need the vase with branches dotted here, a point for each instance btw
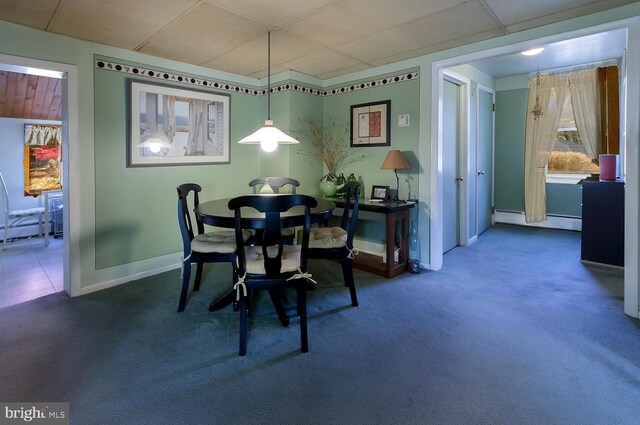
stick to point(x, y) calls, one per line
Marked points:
point(328, 143)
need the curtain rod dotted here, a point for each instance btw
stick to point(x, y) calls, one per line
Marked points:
point(568, 69)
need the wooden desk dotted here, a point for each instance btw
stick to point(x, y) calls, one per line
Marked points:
point(397, 214)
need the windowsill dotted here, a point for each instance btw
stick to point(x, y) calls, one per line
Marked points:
point(566, 178)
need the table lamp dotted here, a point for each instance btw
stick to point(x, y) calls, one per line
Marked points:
point(395, 161)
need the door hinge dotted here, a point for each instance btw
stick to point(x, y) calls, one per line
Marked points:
point(494, 107)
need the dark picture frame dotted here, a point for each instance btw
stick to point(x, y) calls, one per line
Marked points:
point(379, 192)
point(186, 127)
point(371, 124)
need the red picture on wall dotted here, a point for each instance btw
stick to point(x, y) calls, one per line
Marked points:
point(370, 124)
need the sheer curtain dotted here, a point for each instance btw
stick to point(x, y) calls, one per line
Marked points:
point(585, 101)
point(197, 127)
point(549, 92)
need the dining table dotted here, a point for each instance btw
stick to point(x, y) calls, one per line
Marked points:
point(217, 213)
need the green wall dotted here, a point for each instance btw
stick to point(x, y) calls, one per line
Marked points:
point(134, 203)
point(122, 211)
point(405, 99)
point(511, 111)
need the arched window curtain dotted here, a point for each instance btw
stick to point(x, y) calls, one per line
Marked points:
point(547, 94)
point(585, 100)
point(42, 135)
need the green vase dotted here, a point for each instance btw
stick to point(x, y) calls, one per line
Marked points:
point(329, 189)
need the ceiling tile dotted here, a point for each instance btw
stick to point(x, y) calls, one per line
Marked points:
point(533, 21)
point(204, 33)
point(350, 20)
point(321, 62)
point(510, 12)
point(118, 23)
point(343, 71)
point(35, 13)
point(457, 23)
point(273, 12)
point(251, 57)
point(449, 44)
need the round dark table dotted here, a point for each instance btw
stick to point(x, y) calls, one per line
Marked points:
point(217, 213)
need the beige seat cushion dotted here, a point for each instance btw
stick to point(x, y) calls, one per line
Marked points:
point(255, 259)
point(288, 231)
point(223, 242)
point(327, 237)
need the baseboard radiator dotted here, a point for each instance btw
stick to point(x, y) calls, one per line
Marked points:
point(552, 222)
point(23, 230)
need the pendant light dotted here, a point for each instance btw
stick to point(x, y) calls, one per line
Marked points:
point(269, 136)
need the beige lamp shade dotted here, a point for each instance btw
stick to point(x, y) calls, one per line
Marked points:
point(395, 161)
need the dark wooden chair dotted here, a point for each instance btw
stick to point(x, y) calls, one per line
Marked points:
point(273, 265)
point(337, 242)
point(266, 185)
point(201, 247)
point(274, 184)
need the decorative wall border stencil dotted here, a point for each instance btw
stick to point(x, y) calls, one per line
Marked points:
point(163, 75)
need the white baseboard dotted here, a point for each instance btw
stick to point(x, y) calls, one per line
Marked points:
point(119, 281)
point(372, 248)
point(552, 222)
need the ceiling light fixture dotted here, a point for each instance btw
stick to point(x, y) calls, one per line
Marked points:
point(532, 52)
point(269, 136)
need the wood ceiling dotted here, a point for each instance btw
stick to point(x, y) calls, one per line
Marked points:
point(30, 96)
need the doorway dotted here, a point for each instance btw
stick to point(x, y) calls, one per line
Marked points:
point(484, 159)
point(630, 92)
point(69, 279)
point(451, 177)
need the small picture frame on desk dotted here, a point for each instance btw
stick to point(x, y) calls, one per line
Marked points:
point(379, 193)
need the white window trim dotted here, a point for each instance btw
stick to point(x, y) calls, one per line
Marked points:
point(566, 178)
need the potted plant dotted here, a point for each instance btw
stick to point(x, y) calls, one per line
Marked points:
point(330, 144)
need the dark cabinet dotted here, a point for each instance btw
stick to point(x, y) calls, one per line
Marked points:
point(603, 222)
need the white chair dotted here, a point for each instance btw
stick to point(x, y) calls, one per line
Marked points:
point(13, 218)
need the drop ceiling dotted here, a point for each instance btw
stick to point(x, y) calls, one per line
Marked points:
point(322, 38)
point(590, 49)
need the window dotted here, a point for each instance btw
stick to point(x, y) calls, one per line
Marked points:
point(42, 158)
point(568, 161)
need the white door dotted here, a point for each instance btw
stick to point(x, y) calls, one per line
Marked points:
point(450, 169)
point(484, 164)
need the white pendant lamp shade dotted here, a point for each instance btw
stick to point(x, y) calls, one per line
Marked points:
point(268, 137)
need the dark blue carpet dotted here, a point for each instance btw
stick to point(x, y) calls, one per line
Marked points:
point(513, 330)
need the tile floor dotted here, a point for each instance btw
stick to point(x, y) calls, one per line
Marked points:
point(30, 270)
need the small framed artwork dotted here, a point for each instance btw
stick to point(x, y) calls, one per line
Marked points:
point(371, 124)
point(176, 126)
point(379, 193)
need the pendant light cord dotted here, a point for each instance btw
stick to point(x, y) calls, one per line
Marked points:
point(269, 75)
